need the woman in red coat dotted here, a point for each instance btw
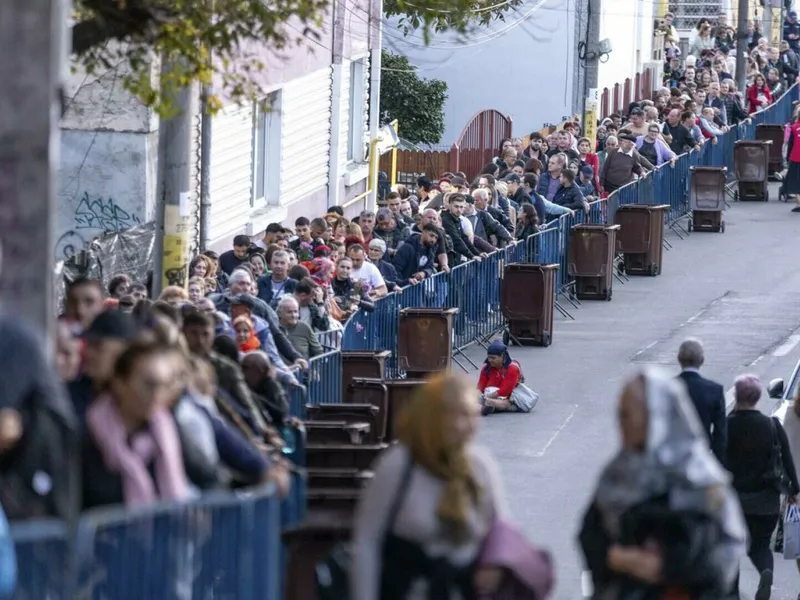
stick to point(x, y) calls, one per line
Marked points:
point(792, 181)
point(590, 158)
point(758, 95)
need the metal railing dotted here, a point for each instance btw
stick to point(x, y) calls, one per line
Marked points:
point(221, 545)
point(474, 287)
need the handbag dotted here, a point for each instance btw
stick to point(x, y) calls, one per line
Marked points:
point(776, 474)
point(333, 573)
point(791, 532)
point(524, 398)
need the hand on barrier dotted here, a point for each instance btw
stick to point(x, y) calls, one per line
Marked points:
point(301, 363)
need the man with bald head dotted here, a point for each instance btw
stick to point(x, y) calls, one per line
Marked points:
point(707, 396)
point(429, 215)
point(260, 376)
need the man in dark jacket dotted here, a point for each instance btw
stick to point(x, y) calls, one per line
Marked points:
point(791, 31)
point(414, 260)
point(789, 63)
point(707, 396)
point(569, 195)
point(484, 224)
point(278, 283)
point(444, 246)
point(390, 229)
point(622, 163)
point(451, 223)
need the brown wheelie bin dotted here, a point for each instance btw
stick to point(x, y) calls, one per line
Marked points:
point(770, 132)
point(527, 301)
point(641, 237)
point(751, 166)
point(425, 340)
point(707, 198)
point(590, 260)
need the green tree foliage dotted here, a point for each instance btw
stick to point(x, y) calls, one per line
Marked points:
point(189, 32)
point(462, 16)
point(108, 32)
point(416, 103)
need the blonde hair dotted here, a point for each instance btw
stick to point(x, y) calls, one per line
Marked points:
point(173, 291)
point(421, 429)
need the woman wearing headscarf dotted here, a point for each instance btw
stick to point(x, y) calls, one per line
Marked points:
point(432, 502)
point(499, 380)
point(663, 522)
point(752, 460)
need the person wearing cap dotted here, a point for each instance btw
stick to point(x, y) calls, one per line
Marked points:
point(585, 183)
point(791, 30)
point(106, 339)
point(456, 184)
point(621, 164)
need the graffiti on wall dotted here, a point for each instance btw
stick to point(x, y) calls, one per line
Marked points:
point(69, 244)
point(105, 215)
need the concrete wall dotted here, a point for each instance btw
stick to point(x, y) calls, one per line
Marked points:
point(525, 72)
point(106, 179)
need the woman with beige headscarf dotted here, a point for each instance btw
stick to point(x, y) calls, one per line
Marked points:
point(664, 522)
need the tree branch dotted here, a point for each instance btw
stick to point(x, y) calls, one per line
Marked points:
point(138, 19)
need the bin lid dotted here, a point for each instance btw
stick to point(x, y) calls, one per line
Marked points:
point(709, 169)
point(587, 227)
point(649, 207)
point(530, 267)
point(752, 142)
point(433, 312)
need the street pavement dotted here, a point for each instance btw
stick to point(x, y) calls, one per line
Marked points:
point(736, 291)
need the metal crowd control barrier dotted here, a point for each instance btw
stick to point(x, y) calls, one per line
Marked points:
point(474, 287)
point(227, 545)
point(222, 545)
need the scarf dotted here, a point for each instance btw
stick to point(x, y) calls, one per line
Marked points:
point(676, 462)
point(159, 442)
point(251, 344)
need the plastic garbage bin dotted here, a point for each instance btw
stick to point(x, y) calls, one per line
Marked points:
point(590, 260)
point(770, 132)
point(751, 166)
point(707, 198)
point(425, 339)
point(527, 301)
point(641, 237)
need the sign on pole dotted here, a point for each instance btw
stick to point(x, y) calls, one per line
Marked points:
point(590, 116)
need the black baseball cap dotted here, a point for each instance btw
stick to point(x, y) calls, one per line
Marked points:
point(512, 177)
point(111, 324)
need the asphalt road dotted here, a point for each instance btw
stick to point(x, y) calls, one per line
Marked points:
point(739, 292)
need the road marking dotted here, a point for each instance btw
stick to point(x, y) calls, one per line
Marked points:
point(787, 346)
point(559, 430)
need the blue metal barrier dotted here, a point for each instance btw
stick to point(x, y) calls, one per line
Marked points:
point(324, 382)
point(223, 545)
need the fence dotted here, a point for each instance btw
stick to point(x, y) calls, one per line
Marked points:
point(227, 545)
point(222, 545)
point(619, 97)
point(477, 145)
point(473, 287)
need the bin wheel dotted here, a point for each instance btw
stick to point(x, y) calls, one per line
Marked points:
point(766, 195)
point(545, 339)
point(722, 227)
point(608, 294)
point(690, 226)
point(506, 337)
point(653, 270)
point(736, 196)
point(621, 268)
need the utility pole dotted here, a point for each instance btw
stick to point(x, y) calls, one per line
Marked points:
point(767, 33)
point(742, 53)
point(173, 191)
point(590, 98)
point(205, 170)
point(33, 51)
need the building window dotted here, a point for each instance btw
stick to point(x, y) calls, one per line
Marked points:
point(358, 98)
point(266, 184)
